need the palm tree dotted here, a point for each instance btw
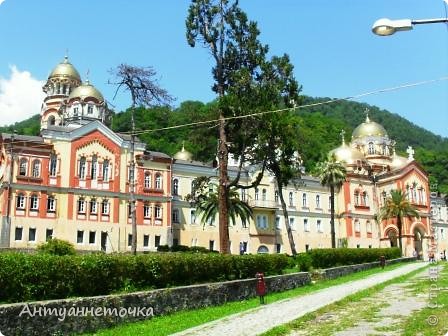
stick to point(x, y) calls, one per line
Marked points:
point(208, 207)
point(397, 206)
point(332, 174)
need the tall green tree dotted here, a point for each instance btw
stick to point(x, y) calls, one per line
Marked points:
point(332, 174)
point(397, 206)
point(223, 28)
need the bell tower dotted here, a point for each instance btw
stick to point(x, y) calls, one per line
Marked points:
point(60, 83)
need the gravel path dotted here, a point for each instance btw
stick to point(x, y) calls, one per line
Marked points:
point(259, 320)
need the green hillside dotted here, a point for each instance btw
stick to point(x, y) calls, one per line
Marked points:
point(320, 125)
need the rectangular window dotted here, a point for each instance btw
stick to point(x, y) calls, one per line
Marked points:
point(319, 225)
point(157, 241)
point(81, 206)
point(32, 234)
point(291, 223)
point(211, 245)
point(105, 207)
point(277, 222)
point(93, 207)
point(129, 239)
point(34, 204)
point(306, 225)
point(278, 248)
point(175, 216)
point(318, 201)
point(48, 234)
point(307, 247)
point(147, 211)
point(80, 237)
point(193, 217)
point(145, 240)
point(92, 237)
point(18, 234)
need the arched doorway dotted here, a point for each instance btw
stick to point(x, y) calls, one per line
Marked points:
point(393, 238)
point(418, 242)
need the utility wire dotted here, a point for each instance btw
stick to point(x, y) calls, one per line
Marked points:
point(395, 88)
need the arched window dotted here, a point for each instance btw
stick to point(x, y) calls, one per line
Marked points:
point(291, 199)
point(263, 195)
point(158, 181)
point(23, 167)
point(51, 121)
point(365, 198)
point(94, 168)
point(81, 205)
point(93, 206)
point(243, 195)
point(262, 249)
point(82, 168)
point(318, 201)
point(36, 168)
point(90, 109)
point(158, 211)
point(276, 197)
point(369, 226)
point(34, 202)
point(357, 198)
point(371, 149)
point(51, 204)
point(147, 210)
point(304, 201)
point(256, 194)
point(106, 170)
point(105, 207)
point(384, 197)
point(20, 201)
point(357, 226)
point(175, 187)
point(53, 164)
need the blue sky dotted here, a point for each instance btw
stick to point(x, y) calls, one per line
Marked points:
point(330, 44)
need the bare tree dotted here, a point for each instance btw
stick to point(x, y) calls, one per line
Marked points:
point(145, 91)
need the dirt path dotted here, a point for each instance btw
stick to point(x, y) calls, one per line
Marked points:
point(381, 314)
point(262, 319)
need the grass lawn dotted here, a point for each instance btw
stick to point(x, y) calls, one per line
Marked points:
point(168, 324)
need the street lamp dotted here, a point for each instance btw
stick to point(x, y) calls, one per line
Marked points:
point(386, 27)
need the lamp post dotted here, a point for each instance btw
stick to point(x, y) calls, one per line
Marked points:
point(386, 27)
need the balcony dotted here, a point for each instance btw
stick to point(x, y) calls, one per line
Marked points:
point(265, 204)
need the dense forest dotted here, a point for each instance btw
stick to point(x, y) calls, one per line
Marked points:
point(320, 128)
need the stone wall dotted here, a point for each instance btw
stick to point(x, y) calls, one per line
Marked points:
point(336, 272)
point(65, 317)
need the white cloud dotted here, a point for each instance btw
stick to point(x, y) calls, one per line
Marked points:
point(20, 96)
point(1, 1)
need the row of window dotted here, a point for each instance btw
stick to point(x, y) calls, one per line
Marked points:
point(36, 165)
point(32, 233)
point(290, 198)
point(357, 226)
point(97, 169)
point(34, 202)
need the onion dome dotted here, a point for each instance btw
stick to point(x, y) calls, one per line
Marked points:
point(345, 153)
point(183, 154)
point(369, 128)
point(86, 90)
point(66, 70)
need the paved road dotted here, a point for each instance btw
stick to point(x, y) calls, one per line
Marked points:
point(259, 320)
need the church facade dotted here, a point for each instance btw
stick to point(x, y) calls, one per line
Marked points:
point(373, 170)
point(73, 183)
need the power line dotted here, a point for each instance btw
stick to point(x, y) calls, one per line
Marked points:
point(394, 88)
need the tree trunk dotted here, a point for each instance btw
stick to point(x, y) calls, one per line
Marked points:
point(400, 243)
point(333, 233)
point(132, 186)
point(285, 215)
point(223, 189)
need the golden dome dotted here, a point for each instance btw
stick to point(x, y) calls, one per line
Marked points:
point(346, 154)
point(84, 91)
point(368, 128)
point(183, 155)
point(65, 69)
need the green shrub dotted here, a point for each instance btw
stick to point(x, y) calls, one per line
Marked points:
point(25, 277)
point(325, 258)
point(57, 247)
point(303, 261)
point(163, 248)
